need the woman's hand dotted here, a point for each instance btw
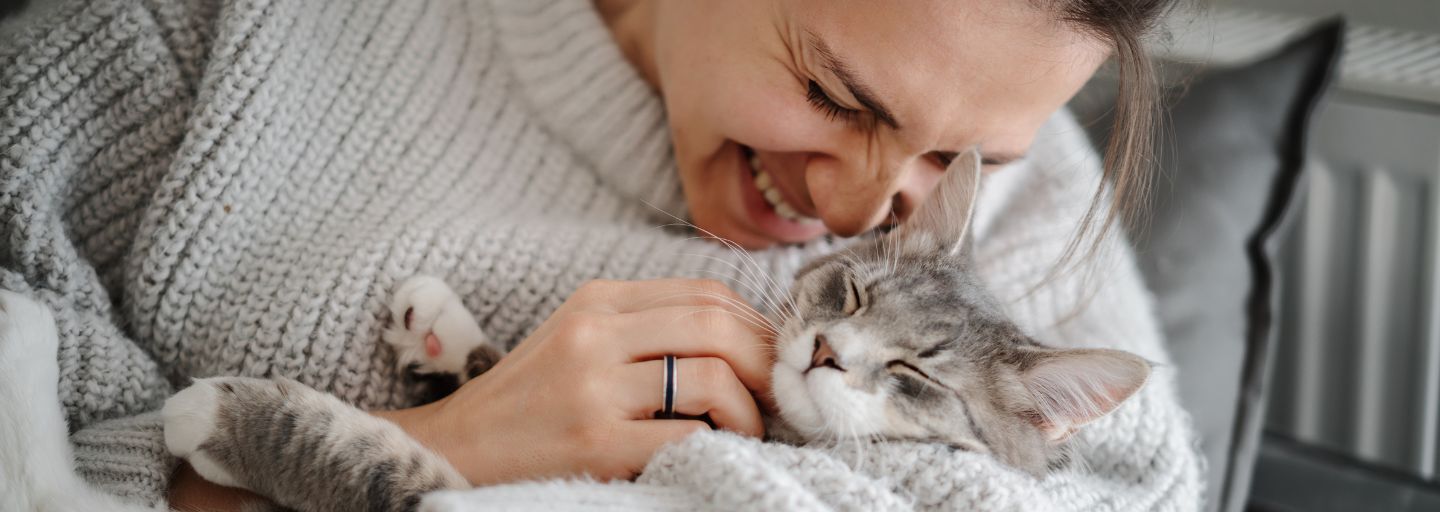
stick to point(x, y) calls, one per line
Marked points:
point(578, 396)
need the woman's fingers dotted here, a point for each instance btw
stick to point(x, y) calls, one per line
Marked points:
point(703, 385)
point(644, 438)
point(700, 331)
point(632, 296)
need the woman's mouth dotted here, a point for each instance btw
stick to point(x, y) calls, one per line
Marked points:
point(772, 194)
point(767, 207)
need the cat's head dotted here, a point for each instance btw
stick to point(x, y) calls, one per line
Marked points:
point(897, 338)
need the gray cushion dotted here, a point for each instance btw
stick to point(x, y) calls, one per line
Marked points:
point(1227, 177)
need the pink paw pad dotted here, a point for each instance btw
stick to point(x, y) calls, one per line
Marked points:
point(432, 345)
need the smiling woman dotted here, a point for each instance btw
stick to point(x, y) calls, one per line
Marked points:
point(244, 187)
point(842, 119)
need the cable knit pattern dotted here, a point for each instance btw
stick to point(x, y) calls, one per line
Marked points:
point(233, 187)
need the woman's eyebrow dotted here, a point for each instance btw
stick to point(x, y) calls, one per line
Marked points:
point(858, 89)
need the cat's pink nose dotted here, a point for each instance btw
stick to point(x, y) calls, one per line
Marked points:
point(824, 355)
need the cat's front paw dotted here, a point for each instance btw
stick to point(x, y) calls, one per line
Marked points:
point(431, 330)
point(190, 419)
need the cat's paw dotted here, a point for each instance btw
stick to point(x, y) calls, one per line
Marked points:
point(430, 328)
point(190, 418)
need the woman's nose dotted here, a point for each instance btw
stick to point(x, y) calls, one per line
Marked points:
point(852, 200)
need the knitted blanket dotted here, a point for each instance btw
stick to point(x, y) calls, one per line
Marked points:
point(233, 187)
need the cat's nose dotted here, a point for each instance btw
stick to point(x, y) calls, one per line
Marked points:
point(824, 355)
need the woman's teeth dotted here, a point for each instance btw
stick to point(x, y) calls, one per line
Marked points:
point(773, 195)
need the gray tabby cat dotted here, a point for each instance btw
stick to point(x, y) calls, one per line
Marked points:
point(895, 338)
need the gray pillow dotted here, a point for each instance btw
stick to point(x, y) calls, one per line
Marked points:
point(1228, 171)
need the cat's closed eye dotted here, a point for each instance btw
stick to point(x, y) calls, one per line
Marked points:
point(902, 367)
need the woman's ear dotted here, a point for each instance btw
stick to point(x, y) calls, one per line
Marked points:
point(1072, 387)
point(943, 220)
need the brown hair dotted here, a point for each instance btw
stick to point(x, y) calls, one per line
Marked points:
point(1124, 25)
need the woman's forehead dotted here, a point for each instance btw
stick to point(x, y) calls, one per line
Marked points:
point(955, 72)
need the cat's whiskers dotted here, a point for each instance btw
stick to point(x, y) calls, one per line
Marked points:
point(725, 311)
point(887, 245)
point(854, 438)
point(753, 275)
point(746, 313)
point(745, 307)
point(746, 257)
point(774, 287)
point(754, 288)
point(762, 326)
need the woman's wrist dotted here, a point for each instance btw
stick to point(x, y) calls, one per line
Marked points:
point(418, 423)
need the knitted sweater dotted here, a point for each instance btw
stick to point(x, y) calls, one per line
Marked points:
point(233, 187)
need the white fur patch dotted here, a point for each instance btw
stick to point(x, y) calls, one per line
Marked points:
point(820, 403)
point(190, 417)
point(36, 464)
point(792, 397)
point(434, 309)
point(847, 411)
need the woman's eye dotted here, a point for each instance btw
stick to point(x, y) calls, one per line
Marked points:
point(822, 102)
point(854, 300)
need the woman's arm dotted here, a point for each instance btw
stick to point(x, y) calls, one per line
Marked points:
point(577, 397)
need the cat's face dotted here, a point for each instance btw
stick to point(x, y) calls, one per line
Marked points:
point(897, 338)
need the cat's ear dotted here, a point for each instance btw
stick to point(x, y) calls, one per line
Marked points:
point(944, 217)
point(1072, 387)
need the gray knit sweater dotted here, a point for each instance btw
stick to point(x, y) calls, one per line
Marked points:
point(233, 188)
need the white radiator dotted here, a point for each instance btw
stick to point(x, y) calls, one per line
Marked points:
point(1357, 367)
point(1358, 362)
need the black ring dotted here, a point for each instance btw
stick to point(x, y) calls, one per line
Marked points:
point(668, 411)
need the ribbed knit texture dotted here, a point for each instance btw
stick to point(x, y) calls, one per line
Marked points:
point(234, 187)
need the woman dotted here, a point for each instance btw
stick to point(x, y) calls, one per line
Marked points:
point(248, 181)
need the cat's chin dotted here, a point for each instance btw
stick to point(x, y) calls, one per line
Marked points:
point(819, 404)
point(793, 400)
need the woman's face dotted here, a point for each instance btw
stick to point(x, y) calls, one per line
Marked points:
point(844, 113)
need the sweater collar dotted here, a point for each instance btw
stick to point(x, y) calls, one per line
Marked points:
point(568, 67)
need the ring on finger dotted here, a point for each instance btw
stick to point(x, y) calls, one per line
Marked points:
point(667, 410)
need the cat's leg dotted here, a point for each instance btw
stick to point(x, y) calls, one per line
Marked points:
point(432, 332)
point(303, 449)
